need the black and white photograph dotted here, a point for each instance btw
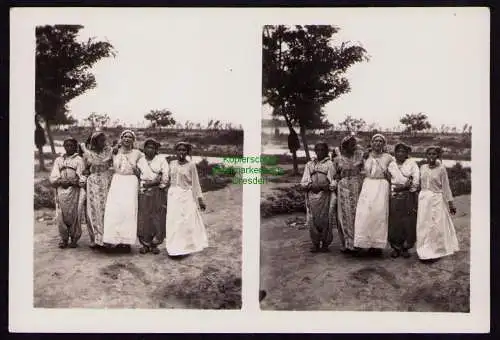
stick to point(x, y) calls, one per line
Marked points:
point(372, 126)
point(129, 212)
point(249, 170)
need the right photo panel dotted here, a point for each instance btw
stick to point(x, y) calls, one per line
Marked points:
point(370, 125)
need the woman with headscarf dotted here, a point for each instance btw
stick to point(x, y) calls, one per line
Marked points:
point(348, 166)
point(319, 183)
point(68, 179)
point(120, 216)
point(372, 211)
point(403, 204)
point(185, 230)
point(97, 158)
point(436, 236)
point(152, 200)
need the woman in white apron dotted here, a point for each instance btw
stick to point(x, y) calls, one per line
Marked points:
point(372, 212)
point(120, 215)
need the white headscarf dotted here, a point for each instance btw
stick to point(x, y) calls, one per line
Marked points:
point(124, 132)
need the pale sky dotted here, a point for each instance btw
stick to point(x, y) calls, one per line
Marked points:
point(425, 61)
point(187, 67)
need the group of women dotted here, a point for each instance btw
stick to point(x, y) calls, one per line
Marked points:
point(124, 195)
point(374, 198)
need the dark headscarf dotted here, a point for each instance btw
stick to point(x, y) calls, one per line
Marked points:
point(70, 139)
point(344, 142)
point(93, 139)
point(153, 142)
point(403, 146)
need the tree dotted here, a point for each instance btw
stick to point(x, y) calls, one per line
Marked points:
point(98, 120)
point(372, 127)
point(63, 67)
point(415, 122)
point(40, 141)
point(160, 118)
point(464, 129)
point(351, 124)
point(302, 72)
point(470, 129)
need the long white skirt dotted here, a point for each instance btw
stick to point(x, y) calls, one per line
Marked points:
point(185, 231)
point(372, 214)
point(120, 215)
point(436, 236)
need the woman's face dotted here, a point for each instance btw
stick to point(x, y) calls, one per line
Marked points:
point(101, 141)
point(401, 154)
point(182, 152)
point(351, 144)
point(432, 156)
point(321, 151)
point(127, 140)
point(70, 147)
point(378, 144)
point(150, 150)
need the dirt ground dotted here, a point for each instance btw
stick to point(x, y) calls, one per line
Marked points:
point(295, 279)
point(85, 278)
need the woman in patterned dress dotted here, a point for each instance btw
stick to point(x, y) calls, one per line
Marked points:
point(97, 158)
point(348, 165)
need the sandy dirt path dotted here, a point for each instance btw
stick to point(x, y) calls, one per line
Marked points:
point(87, 279)
point(295, 279)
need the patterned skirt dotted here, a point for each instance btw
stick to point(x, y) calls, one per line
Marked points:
point(348, 194)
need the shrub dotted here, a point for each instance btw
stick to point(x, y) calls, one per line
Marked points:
point(44, 195)
point(287, 200)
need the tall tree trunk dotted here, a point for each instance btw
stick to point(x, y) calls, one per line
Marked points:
point(304, 142)
point(295, 163)
point(49, 135)
point(41, 159)
point(292, 150)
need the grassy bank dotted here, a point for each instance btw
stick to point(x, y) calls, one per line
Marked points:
point(168, 137)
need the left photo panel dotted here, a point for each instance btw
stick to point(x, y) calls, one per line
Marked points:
point(133, 206)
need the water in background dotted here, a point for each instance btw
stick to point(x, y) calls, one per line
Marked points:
point(268, 151)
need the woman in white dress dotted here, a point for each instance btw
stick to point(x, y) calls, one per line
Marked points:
point(185, 230)
point(436, 236)
point(372, 211)
point(120, 215)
